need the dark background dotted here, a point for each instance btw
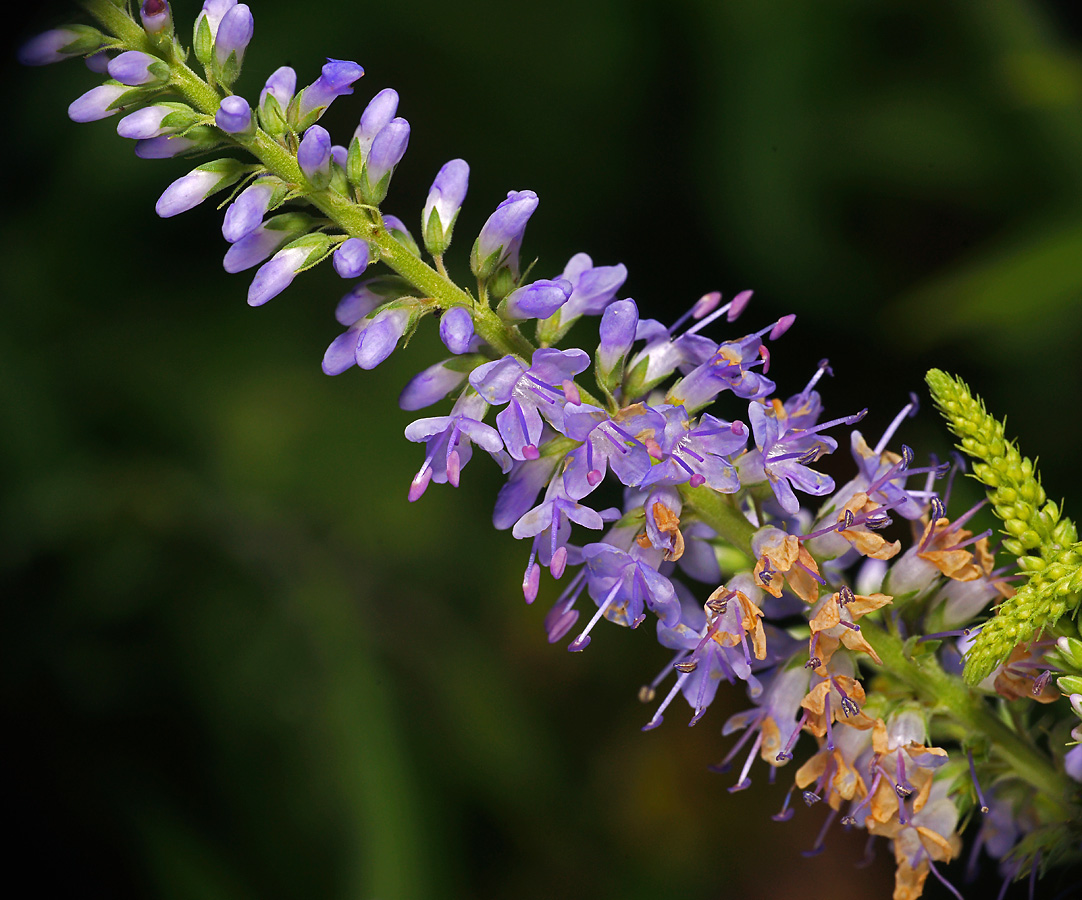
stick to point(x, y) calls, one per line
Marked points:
point(239, 665)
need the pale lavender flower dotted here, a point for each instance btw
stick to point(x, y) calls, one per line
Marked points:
point(314, 155)
point(213, 12)
point(608, 442)
point(381, 336)
point(59, 44)
point(593, 287)
point(697, 454)
point(380, 110)
point(445, 198)
point(456, 329)
point(432, 385)
point(619, 322)
point(233, 34)
point(335, 80)
point(145, 123)
point(386, 152)
point(275, 276)
point(536, 300)
point(156, 16)
point(98, 103)
point(519, 493)
point(136, 68)
point(234, 115)
point(192, 189)
point(267, 238)
point(169, 145)
point(501, 235)
point(245, 214)
point(352, 256)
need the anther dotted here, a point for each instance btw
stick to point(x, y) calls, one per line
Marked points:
point(1041, 681)
point(811, 798)
point(847, 595)
point(847, 521)
point(938, 510)
point(687, 666)
point(907, 456)
point(814, 663)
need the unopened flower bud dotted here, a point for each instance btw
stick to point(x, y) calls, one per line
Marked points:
point(156, 16)
point(246, 212)
point(206, 28)
point(351, 258)
point(275, 276)
point(387, 151)
point(234, 116)
point(314, 156)
point(156, 120)
point(379, 112)
point(445, 198)
point(266, 239)
point(275, 98)
point(192, 189)
point(501, 236)
point(618, 324)
point(136, 68)
point(537, 300)
point(456, 329)
point(59, 44)
point(382, 336)
point(101, 102)
point(335, 80)
point(231, 40)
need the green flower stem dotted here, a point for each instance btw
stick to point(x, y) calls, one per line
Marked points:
point(941, 692)
point(354, 219)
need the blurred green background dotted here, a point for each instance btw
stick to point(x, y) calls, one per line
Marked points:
point(239, 665)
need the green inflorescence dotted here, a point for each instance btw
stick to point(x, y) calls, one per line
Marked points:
point(1036, 531)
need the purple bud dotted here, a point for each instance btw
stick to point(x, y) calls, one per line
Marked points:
point(245, 214)
point(275, 276)
point(192, 189)
point(387, 149)
point(95, 104)
point(233, 34)
point(98, 62)
point(502, 234)
point(456, 329)
point(156, 16)
point(537, 300)
point(253, 248)
point(381, 337)
point(135, 68)
point(335, 80)
point(234, 115)
point(618, 324)
point(214, 11)
point(314, 155)
point(59, 44)
point(430, 386)
point(380, 110)
point(165, 147)
point(340, 155)
point(281, 86)
point(359, 302)
point(351, 257)
point(144, 123)
point(447, 193)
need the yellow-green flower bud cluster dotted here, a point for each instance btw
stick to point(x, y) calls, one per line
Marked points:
point(1036, 532)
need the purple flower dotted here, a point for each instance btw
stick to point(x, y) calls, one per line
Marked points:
point(60, 44)
point(156, 16)
point(352, 256)
point(448, 442)
point(529, 393)
point(537, 300)
point(663, 355)
point(381, 336)
point(619, 322)
point(777, 716)
point(245, 214)
point(445, 198)
point(232, 36)
point(99, 103)
point(456, 329)
point(335, 80)
point(314, 156)
point(501, 235)
point(275, 276)
point(519, 494)
point(698, 454)
point(593, 288)
point(234, 115)
point(275, 98)
point(432, 385)
point(136, 68)
point(192, 189)
point(615, 442)
point(380, 111)
point(387, 151)
point(145, 123)
point(257, 245)
point(782, 456)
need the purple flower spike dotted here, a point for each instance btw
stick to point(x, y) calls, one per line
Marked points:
point(456, 329)
point(233, 34)
point(156, 16)
point(379, 112)
point(501, 236)
point(445, 198)
point(335, 80)
point(537, 300)
point(275, 276)
point(59, 44)
point(234, 115)
point(246, 212)
point(387, 151)
point(618, 325)
point(135, 68)
point(352, 256)
point(381, 337)
point(97, 103)
point(314, 155)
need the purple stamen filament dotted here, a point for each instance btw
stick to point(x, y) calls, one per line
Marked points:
point(583, 639)
point(976, 783)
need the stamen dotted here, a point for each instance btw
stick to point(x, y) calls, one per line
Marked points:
point(909, 408)
point(583, 640)
point(817, 847)
point(847, 521)
point(718, 605)
point(658, 717)
point(703, 307)
point(971, 540)
point(647, 691)
point(811, 798)
point(940, 635)
point(753, 726)
point(830, 730)
point(687, 666)
point(950, 887)
point(531, 578)
point(558, 562)
point(743, 781)
point(571, 392)
point(976, 783)
point(781, 326)
point(1040, 682)
point(813, 662)
point(420, 481)
point(846, 595)
point(938, 510)
point(844, 420)
point(786, 812)
point(786, 752)
point(824, 368)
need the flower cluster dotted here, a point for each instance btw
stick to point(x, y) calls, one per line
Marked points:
point(626, 489)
